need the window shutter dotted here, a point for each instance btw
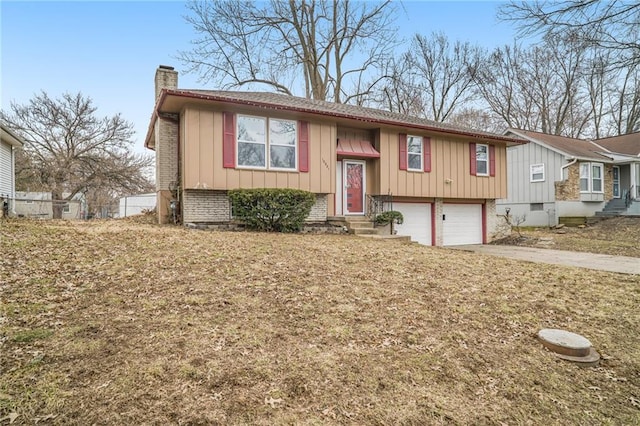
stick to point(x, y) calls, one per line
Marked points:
point(473, 166)
point(402, 143)
point(229, 140)
point(492, 160)
point(426, 150)
point(303, 146)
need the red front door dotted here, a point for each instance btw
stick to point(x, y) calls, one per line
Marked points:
point(354, 187)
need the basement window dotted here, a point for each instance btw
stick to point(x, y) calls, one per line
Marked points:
point(536, 207)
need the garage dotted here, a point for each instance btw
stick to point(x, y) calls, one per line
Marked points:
point(417, 221)
point(462, 224)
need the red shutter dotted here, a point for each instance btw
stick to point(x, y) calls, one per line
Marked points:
point(492, 160)
point(402, 143)
point(426, 151)
point(229, 140)
point(303, 146)
point(472, 159)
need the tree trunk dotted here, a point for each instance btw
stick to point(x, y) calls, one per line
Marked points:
point(56, 204)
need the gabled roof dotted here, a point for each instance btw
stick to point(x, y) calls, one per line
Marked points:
point(628, 144)
point(9, 137)
point(168, 101)
point(569, 147)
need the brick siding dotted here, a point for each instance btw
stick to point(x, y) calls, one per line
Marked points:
point(205, 206)
point(214, 207)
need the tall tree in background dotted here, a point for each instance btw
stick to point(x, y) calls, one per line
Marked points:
point(432, 79)
point(612, 25)
point(330, 44)
point(70, 150)
point(540, 88)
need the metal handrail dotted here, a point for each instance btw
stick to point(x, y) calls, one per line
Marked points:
point(376, 205)
point(628, 198)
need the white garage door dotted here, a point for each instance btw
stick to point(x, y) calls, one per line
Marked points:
point(417, 221)
point(462, 224)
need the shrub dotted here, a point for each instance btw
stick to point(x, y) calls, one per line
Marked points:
point(270, 209)
point(391, 216)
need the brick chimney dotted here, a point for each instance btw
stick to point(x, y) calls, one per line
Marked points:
point(167, 128)
point(166, 78)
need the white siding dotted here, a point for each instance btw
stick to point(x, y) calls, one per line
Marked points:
point(520, 189)
point(6, 171)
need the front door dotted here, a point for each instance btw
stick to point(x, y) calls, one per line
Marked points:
point(616, 182)
point(353, 178)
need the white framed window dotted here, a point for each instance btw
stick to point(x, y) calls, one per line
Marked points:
point(482, 160)
point(266, 143)
point(536, 172)
point(591, 177)
point(282, 144)
point(414, 153)
point(65, 208)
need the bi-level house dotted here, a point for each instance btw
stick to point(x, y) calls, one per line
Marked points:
point(554, 178)
point(444, 179)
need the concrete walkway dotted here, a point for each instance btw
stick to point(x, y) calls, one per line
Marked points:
point(600, 262)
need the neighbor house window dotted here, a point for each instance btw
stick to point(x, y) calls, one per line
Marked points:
point(414, 153)
point(65, 208)
point(536, 207)
point(266, 143)
point(537, 172)
point(591, 175)
point(482, 160)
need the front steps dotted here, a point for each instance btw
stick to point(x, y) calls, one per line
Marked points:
point(362, 226)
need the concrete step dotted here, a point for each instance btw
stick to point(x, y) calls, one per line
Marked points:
point(363, 231)
point(360, 225)
point(401, 238)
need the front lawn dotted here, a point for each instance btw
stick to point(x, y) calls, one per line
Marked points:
point(117, 322)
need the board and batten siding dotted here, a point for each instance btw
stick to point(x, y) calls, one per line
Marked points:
point(519, 161)
point(201, 152)
point(6, 170)
point(450, 175)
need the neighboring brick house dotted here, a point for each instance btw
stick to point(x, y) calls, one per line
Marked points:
point(555, 177)
point(443, 178)
point(9, 142)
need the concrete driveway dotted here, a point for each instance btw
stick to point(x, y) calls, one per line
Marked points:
point(600, 262)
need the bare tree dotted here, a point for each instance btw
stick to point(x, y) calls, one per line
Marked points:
point(432, 79)
point(70, 150)
point(539, 88)
point(327, 45)
point(613, 25)
point(478, 118)
point(625, 108)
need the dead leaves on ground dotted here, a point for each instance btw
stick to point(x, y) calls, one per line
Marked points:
point(169, 325)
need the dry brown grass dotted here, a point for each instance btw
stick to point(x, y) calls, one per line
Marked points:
point(618, 236)
point(121, 323)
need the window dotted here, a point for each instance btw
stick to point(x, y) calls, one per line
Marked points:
point(591, 177)
point(482, 160)
point(414, 153)
point(537, 172)
point(536, 207)
point(65, 208)
point(256, 134)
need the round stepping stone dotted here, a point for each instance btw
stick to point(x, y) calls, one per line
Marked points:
point(569, 346)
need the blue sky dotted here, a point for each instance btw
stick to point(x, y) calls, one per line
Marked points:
point(110, 50)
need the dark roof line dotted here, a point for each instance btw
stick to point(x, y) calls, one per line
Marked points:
point(312, 106)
